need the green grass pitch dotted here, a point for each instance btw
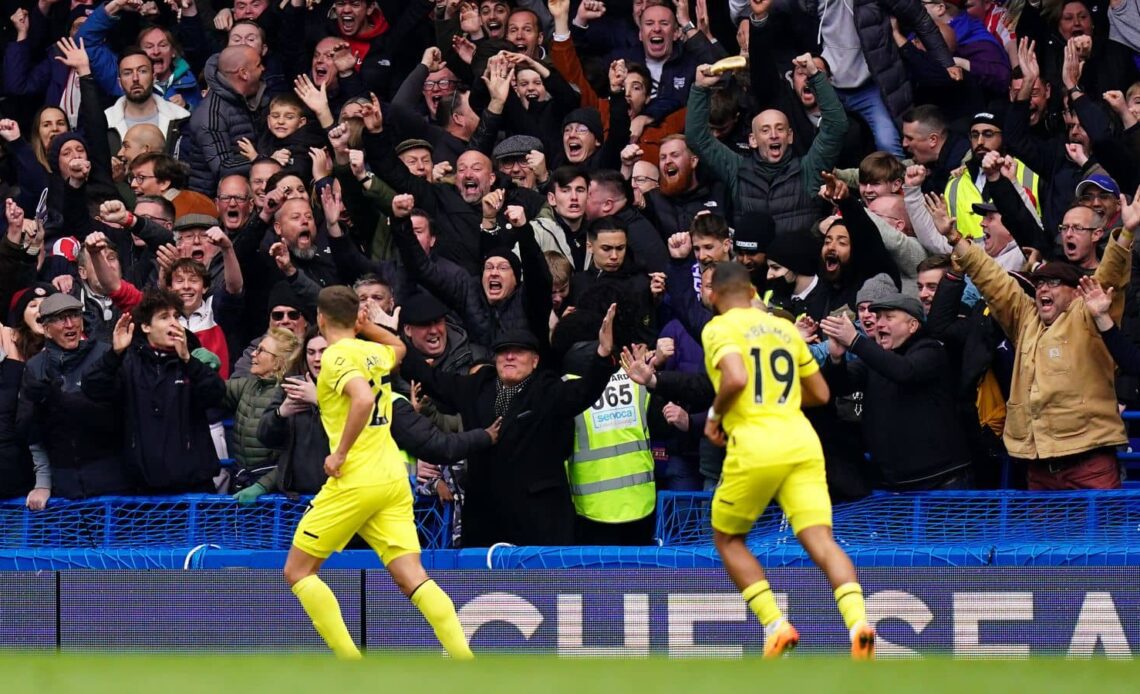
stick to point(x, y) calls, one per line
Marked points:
point(400, 674)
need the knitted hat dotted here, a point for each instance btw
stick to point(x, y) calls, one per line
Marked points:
point(753, 233)
point(588, 117)
point(282, 294)
point(57, 144)
point(877, 288)
point(509, 256)
point(22, 298)
point(795, 250)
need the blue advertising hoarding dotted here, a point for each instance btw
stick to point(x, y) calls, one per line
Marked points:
point(972, 612)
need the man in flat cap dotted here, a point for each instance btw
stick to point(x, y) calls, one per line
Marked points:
point(1061, 417)
point(910, 419)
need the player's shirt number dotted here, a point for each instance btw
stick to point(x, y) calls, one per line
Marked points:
point(783, 370)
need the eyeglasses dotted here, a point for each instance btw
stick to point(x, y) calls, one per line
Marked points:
point(983, 134)
point(642, 180)
point(1062, 228)
point(575, 128)
point(261, 350)
point(281, 315)
point(1052, 283)
point(355, 4)
point(139, 177)
point(442, 84)
point(65, 316)
point(233, 198)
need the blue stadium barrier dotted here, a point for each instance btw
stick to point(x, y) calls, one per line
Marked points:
point(931, 529)
point(144, 523)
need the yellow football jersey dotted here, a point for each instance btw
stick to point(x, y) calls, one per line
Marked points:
point(374, 458)
point(766, 417)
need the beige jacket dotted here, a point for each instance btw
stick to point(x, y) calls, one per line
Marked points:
point(1062, 399)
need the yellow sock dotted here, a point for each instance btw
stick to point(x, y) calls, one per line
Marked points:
point(321, 606)
point(439, 611)
point(762, 601)
point(849, 599)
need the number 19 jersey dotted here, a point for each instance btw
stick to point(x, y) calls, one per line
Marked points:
point(765, 424)
point(374, 458)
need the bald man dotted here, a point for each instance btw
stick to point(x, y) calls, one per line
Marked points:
point(773, 178)
point(235, 107)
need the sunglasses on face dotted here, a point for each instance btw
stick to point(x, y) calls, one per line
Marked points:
point(282, 315)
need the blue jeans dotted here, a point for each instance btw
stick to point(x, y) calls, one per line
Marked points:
point(867, 101)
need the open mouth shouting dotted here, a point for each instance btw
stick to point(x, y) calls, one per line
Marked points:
point(831, 263)
point(575, 150)
point(320, 74)
point(348, 23)
point(496, 29)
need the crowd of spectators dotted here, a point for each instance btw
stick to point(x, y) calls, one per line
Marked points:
point(937, 193)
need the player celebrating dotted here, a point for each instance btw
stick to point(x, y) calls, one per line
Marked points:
point(758, 364)
point(367, 491)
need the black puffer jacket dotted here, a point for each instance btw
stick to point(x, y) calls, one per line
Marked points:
point(83, 437)
point(517, 490)
point(910, 418)
point(164, 401)
point(873, 22)
point(216, 125)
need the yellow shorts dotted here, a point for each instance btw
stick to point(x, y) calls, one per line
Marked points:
point(381, 514)
point(746, 490)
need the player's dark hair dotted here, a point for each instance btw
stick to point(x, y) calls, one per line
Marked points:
point(565, 175)
point(729, 277)
point(339, 305)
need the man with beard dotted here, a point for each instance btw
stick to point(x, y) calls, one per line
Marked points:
point(967, 188)
point(773, 179)
point(512, 157)
point(910, 418)
point(680, 196)
point(139, 104)
point(296, 231)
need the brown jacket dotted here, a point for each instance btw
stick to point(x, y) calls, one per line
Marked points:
point(1062, 399)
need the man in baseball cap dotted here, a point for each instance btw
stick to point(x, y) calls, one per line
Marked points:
point(1099, 193)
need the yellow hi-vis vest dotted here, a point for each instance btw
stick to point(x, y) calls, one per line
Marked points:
point(611, 468)
point(962, 194)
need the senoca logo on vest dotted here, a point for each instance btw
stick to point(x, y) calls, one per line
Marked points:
point(974, 613)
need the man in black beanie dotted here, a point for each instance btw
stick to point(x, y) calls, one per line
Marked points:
point(286, 311)
point(793, 280)
point(750, 241)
